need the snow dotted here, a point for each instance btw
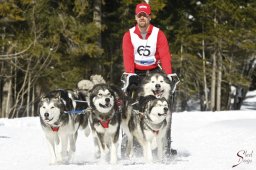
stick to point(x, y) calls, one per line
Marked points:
point(204, 140)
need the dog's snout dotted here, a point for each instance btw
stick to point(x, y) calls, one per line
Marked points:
point(107, 100)
point(165, 109)
point(157, 86)
point(46, 114)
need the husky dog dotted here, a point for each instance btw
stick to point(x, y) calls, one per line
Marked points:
point(60, 125)
point(105, 118)
point(148, 125)
point(156, 84)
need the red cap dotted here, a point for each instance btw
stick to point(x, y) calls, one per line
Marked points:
point(143, 7)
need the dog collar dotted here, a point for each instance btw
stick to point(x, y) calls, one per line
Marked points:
point(104, 120)
point(55, 129)
point(154, 127)
point(105, 124)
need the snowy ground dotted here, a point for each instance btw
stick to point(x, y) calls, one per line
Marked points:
point(204, 140)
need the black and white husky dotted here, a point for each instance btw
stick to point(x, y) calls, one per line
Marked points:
point(157, 84)
point(60, 125)
point(148, 125)
point(105, 119)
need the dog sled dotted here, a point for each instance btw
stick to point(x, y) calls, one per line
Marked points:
point(132, 86)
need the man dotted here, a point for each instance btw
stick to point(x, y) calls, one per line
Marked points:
point(145, 47)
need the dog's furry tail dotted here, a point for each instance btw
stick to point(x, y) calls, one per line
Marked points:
point(85, 85)
point(88, 84)
point(97, 79)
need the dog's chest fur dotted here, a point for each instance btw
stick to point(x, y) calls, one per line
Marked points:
point(111, 123)
point(149, 134)
point(142, 130)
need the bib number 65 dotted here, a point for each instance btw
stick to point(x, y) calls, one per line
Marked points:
point(143, 50)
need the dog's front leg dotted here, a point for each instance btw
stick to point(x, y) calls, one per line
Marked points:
point(72, 145)
point(52, 149)
point(160, 147)
point(147, 152)
point(113, 152)
point(96, 146)
point(64, 158)
point(129, 148)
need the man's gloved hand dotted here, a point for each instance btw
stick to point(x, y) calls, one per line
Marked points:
point(133, 82)
point(174, 81)
point(130, 81)
point(173, 77)
point(169, 77)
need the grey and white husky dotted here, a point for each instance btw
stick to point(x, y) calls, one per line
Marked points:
point(148, 125)
point(105, 119)
point(60, 125)
point(159, 85)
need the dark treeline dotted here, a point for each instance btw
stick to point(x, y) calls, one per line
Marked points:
point(50, 44)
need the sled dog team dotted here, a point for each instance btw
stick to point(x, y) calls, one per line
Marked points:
point(105, 111)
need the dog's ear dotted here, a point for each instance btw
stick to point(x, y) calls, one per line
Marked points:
point(91, 95)
point(56, 94)
point(149, 105)
point(44, 98)
point(117, 91)
point(145, 101)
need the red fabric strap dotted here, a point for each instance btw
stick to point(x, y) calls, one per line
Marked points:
point(55, 129)
point(105, 123)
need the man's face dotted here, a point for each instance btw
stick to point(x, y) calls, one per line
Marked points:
point(142, 20)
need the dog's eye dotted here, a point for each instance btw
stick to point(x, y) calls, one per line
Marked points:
point(100, 94)
point(161, 81)
point(108, 94)
point(52, 107)
point(152, 81)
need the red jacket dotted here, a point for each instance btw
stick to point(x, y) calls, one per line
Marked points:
point(162, 52)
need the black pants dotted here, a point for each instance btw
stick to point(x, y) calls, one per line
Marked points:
point(143, 73)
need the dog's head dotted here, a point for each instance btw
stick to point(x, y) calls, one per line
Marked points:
point(51, 107)
point(156, 84)
point(156, 109)
point(102, 98)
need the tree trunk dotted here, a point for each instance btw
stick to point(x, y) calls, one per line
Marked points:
point(219, 80)
point(28, 95)
point(206, 102)
point(214, 65)
point(97, 17)
point(213, 84)
point(97, 21)
point(33, 103)
point(7, 100)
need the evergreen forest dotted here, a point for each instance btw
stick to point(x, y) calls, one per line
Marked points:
point(53, 44)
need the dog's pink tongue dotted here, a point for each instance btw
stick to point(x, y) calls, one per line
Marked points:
point(157, 93)
point(104, 123)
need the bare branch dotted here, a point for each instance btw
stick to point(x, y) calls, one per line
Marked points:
point(4, 57)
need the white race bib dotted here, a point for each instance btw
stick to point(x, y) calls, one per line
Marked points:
point(144, 50)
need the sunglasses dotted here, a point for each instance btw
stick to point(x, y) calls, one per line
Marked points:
point(142, 14)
